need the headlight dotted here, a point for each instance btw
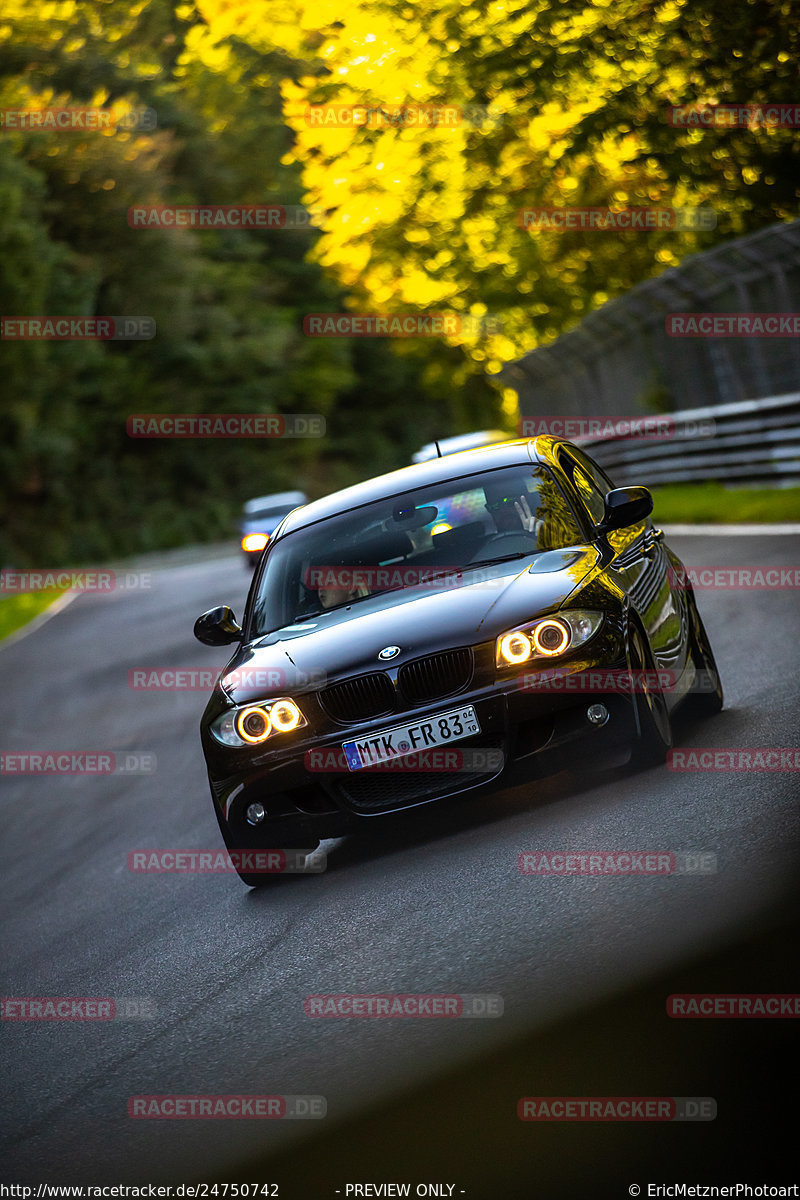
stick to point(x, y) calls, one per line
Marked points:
point(514, 648)
point(547, 637)
point(285, 715)
point(551, 637)
point(254, 541)
point(253, 724)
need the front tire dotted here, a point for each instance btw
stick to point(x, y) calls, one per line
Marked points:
point(652, 715)
point(261, 878)
point(707, 697)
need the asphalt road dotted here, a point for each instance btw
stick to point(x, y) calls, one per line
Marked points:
point(436, 904)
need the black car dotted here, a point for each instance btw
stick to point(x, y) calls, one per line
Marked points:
point(452, 625)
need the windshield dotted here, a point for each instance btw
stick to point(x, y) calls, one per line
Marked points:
point(407, 540)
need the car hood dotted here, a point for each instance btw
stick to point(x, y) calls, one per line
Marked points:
point(421, 620)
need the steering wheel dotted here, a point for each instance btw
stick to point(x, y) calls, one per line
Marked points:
point(503, 543)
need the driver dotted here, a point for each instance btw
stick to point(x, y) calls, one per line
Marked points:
point(330, 597)
point(510, 513)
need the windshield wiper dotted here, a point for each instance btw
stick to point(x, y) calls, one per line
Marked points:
point(488, 562)
point(331, 608)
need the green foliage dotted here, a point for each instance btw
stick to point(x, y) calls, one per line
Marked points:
point(574, 94)
point(228, 305)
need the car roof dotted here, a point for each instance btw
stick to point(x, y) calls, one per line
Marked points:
point(435, 470)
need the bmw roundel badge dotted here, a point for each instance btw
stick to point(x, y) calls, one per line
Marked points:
point(389, 652)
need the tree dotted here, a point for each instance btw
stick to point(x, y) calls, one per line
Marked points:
point(228, 305)
point(574, 98)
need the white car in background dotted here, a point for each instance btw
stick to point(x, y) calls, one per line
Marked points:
point(462, 441)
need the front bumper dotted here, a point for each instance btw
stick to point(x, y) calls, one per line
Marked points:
point(536, 730)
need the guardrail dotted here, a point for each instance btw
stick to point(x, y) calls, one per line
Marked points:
point(620, 355)
point(747, 442)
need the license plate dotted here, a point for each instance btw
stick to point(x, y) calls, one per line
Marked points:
point(402, 740)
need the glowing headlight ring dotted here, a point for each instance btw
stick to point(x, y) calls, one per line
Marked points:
point(515, 647)
point(285, 716)
point(253, 739)
point(548, 651)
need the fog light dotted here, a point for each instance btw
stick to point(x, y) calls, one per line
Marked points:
point(597, 714)
point(256, 813)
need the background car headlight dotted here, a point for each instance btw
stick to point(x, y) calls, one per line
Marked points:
point(253, 724)
point(547, 637)
point(254, 541)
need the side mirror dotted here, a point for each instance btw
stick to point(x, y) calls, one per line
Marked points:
point(625, 506)
point(217, 627)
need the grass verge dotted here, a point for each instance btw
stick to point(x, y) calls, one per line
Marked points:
point(16, 611)
point(692, 503)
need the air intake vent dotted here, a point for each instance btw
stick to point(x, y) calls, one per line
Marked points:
point(435, 677)
point(391, 788)
point(359, 699)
